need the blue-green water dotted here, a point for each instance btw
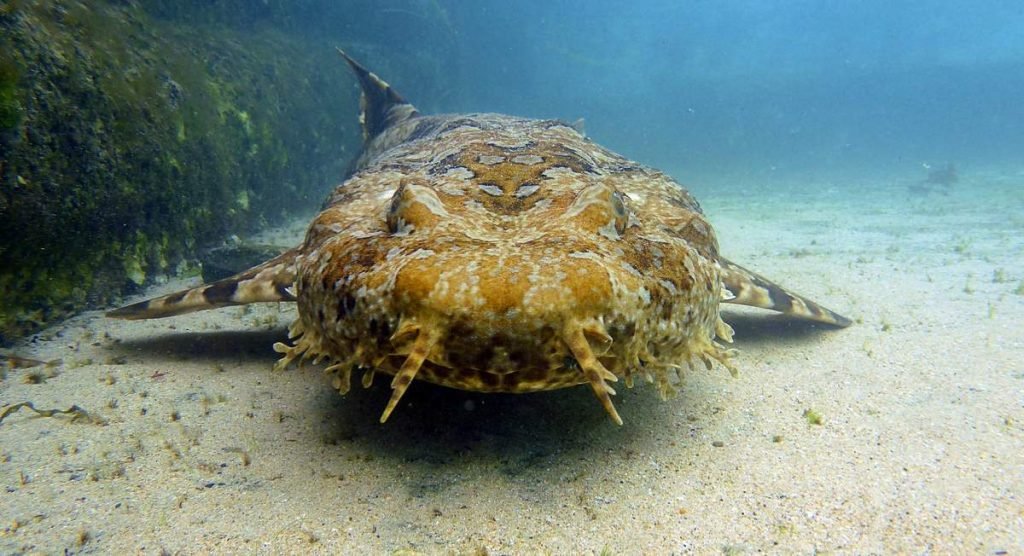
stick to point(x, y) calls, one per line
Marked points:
point(702, 89)
point(695, 87)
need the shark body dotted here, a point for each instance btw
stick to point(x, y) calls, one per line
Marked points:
point(494, 253)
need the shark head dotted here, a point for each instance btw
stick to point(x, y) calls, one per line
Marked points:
point(509, 257)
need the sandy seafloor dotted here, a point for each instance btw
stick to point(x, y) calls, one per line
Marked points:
point(201, 447)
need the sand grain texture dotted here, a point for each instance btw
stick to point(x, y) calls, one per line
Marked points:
point(920, 446)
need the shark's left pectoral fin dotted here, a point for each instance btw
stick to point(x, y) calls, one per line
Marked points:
point(744, 287)
point(268, 282)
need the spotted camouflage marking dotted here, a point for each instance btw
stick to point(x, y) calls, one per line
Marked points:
point(499, 254)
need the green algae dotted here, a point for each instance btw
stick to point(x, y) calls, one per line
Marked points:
point(10, 107)
point(133, 142)
point(813, 417)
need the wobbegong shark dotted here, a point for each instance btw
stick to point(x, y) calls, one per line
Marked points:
point(494, 253)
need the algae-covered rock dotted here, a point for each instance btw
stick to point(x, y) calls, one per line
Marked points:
point(126, 141)
point(223, 261)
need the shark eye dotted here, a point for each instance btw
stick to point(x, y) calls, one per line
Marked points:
point(600, 209)
point(414, 207)
point(621, 214)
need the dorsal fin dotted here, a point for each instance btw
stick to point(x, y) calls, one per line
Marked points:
point(381, 107)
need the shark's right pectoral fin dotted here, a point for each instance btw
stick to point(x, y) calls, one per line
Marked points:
point(744, 287)
point(268, 282)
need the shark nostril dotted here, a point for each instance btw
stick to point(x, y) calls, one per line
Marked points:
point(599, 339)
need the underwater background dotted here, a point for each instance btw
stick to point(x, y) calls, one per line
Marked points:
point(135, 133)
point(830, 88)
point(706, 89)
point(868, 154)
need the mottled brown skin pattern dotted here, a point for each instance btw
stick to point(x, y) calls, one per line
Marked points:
point(498, 254)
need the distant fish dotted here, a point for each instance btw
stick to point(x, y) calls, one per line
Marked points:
point(939, 180)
